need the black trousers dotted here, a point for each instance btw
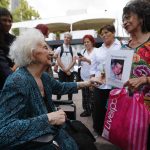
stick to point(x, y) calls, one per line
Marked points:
point(99, 110)
point(63, 77)
point(87, 100)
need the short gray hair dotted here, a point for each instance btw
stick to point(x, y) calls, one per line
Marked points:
point(68, 34)
point(21, 48)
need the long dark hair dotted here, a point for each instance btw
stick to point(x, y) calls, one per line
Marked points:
point(5, 38)
point(5, 12)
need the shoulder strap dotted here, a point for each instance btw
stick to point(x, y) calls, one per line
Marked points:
point(84, 51)
point(62, 50)
point(70, 48)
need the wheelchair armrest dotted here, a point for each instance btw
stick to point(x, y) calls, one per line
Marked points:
point(62, 102)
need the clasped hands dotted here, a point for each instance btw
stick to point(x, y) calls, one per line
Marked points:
point(92, 82)
point(96, 81)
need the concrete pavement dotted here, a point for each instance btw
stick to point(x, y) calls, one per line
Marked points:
point(100, 142)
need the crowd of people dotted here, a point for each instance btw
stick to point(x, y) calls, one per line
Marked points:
point(27, 84)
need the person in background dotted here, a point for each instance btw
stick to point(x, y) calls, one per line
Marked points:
point(66, 60)
point(85, 59)
point(101, 93)
point(136, 21)
point(6, 64)
point(26, 107)
point(45, 31)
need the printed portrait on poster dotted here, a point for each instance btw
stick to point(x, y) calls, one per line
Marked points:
point(118, 67)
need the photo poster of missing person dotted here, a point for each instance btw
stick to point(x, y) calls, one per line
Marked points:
point(118, 67)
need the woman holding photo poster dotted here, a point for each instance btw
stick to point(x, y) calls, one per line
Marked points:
point(98, 58)
point(136, 21)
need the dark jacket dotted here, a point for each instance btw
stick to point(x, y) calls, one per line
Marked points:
point(5, 62)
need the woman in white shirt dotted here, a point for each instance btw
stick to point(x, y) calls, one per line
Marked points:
point(101, 94)
point(85, 59)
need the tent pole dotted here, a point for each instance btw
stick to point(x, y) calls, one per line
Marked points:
point(71, 27)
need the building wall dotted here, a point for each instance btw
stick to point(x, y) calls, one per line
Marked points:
point(14, 4)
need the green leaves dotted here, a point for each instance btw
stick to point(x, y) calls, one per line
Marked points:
point(24, 12)
point(4, 3)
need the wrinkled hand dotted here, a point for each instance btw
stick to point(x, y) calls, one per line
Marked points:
point(134, 83)
point(57, 117)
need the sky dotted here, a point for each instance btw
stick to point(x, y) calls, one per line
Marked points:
point(53, 8)
point(58, 8)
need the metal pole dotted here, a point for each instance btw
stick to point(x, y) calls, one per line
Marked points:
point(71, 27)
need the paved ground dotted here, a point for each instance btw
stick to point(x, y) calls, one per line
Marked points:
point(87, 120)
point(78, 102)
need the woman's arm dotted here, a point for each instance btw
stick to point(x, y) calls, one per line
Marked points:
point(62, 87)
point(72, 87)
point(82, 58)
point(16, 126)
point(94, 81)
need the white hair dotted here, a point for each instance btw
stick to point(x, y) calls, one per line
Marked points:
point(21, 48)
point(68, 34)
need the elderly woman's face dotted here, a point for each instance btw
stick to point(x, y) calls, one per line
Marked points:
point(107, 36)
point(131, 22)
point(42, 54)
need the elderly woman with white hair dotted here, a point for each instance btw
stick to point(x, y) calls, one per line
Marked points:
point(26, 107)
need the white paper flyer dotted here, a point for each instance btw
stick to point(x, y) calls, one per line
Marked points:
point(118, 67)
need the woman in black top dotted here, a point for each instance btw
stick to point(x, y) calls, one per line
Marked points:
point(5, 40)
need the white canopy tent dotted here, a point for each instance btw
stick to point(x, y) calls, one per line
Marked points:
point(71, 23)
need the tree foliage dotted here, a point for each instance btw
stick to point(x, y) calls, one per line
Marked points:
point(4, 3)
point(24, 12)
